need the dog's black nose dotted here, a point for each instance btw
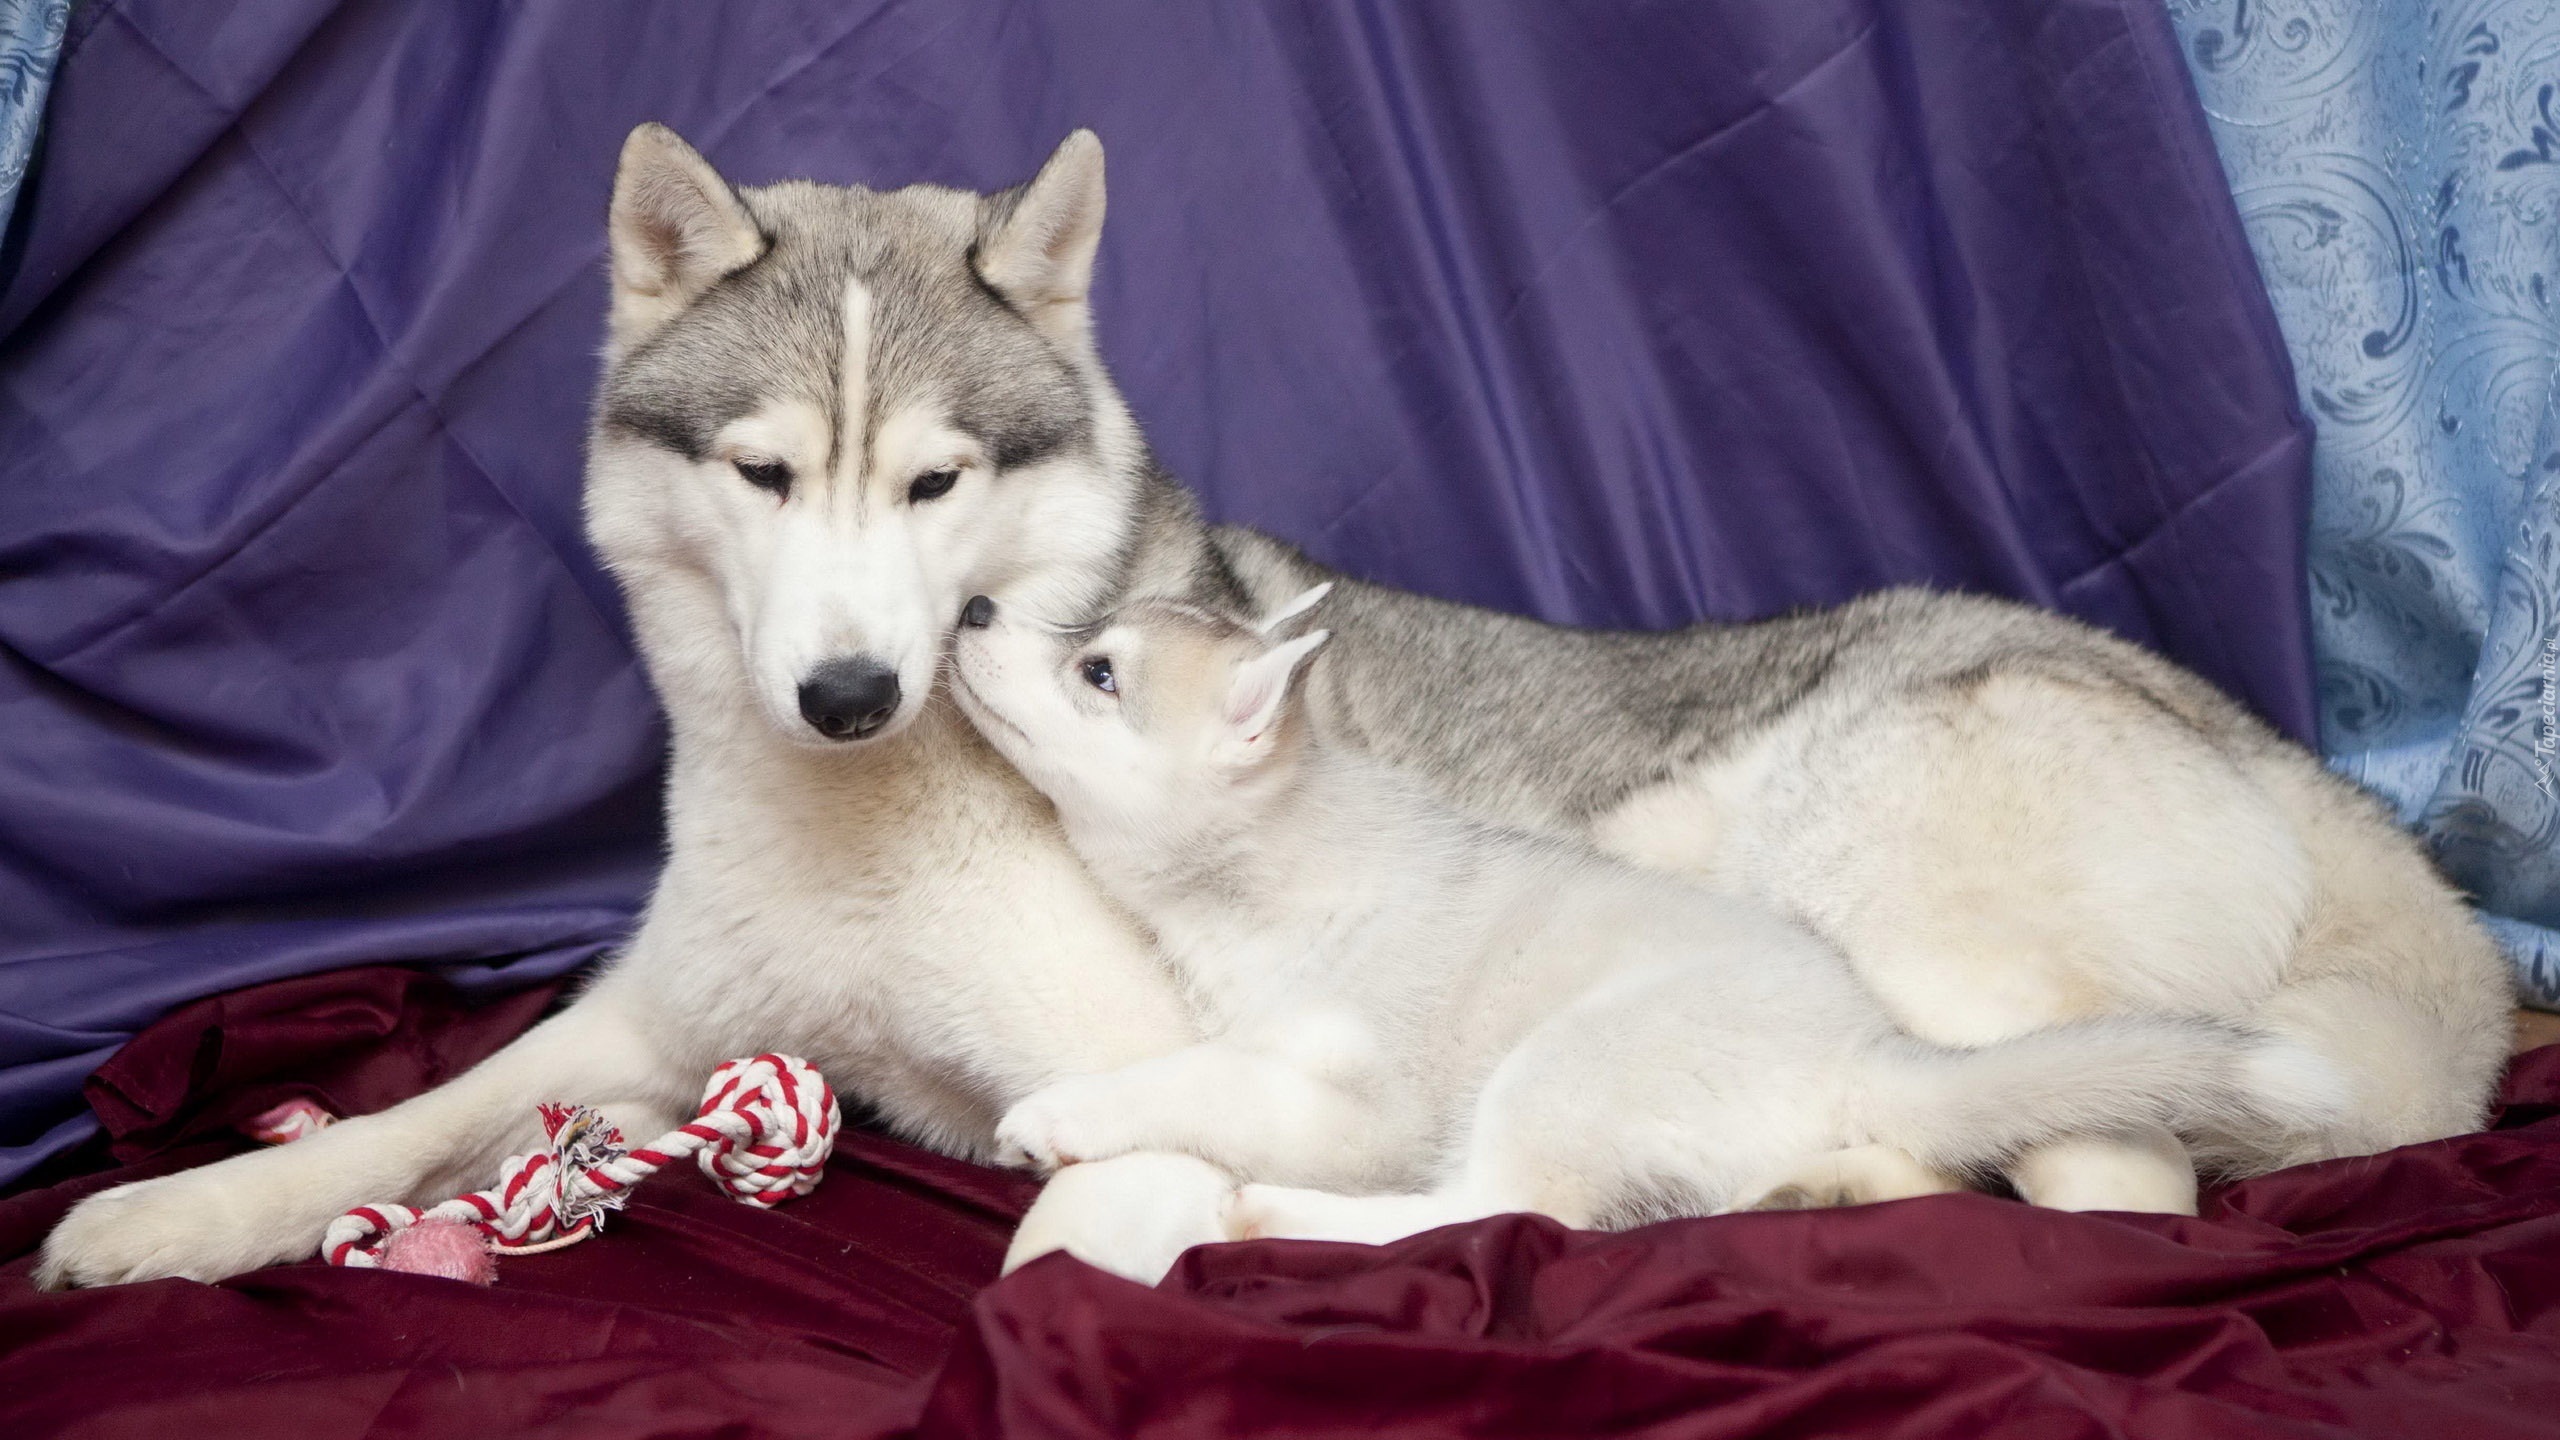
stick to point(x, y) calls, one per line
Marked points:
point(979, 613)
point(849, 697)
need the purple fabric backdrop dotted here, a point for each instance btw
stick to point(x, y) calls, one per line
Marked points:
point(1618, 314)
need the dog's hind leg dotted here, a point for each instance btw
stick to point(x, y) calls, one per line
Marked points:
point(1531, 1146)
point(1857, 1175)
point(271, 1205)
point(2146, 1170)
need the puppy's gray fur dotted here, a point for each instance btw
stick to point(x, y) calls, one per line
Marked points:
point(1412, 1016)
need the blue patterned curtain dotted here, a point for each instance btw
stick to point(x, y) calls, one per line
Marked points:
point(30, 38)
point(2398, 166)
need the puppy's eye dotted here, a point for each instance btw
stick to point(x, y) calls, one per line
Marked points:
point(1096, 670)
point(770, 475)
point(933, 484)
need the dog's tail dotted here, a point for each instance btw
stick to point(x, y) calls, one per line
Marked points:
point(1968, 1110)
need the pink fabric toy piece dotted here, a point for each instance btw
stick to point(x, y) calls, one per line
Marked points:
point(448, 1248)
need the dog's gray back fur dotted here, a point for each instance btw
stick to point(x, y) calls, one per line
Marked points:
point(1553, 726)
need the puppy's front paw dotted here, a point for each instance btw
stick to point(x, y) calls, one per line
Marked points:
point(1073, 1120)
point(1132, 1215)
point(1286, 1212)
point(1246, 1213)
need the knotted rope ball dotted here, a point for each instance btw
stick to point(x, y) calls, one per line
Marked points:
point(762, 1134)
point(765, 1129)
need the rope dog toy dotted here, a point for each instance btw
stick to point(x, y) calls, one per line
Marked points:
point(763, 1134)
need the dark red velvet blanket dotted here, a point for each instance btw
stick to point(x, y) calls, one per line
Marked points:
point(2408, 1294)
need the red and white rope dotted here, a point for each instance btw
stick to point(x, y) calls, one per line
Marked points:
point(763, 1134)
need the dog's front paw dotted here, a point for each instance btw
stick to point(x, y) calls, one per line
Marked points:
point(1282, 1212)
point(188, 1226)
point(1131, 1215)
point(1246, 1213)
point(1071, 1121)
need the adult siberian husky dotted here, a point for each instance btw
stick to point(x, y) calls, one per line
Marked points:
point(830, 416)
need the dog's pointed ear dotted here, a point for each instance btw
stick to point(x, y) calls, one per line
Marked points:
point(1305, 601)
point(1257, 697)
point(1036, 242)
point(674, 229)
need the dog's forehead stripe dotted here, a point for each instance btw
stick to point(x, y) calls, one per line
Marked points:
point(779, 329)
point(852, 429)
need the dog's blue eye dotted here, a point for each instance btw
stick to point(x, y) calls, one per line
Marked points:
point(1096, 670)
point(770, 475)
point(933, 485)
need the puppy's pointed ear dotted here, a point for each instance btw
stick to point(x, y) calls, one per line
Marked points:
point(1300, 605)
point(674, 229)
point(1257, 697)
point(1036, 242)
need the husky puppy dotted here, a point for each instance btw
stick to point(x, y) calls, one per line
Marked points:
point(829, 416)
point(1398, 997)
